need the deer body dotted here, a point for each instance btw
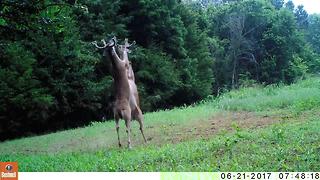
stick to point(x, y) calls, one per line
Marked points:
point(136, 112)
point(134, 96)
point(121, 81)
point(121, 109)
point(126, 105)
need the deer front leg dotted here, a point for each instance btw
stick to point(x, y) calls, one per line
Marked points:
point(116, 59)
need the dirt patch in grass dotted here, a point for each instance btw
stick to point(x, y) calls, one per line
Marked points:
point(206, 128)
point(160, 133)
point(231, 120)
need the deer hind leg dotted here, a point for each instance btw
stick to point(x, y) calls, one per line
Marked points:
point(126, 115)
point(117, 118)
point(139, 118)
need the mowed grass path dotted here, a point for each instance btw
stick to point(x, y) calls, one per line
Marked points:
point(275, 128)
point(102, 135)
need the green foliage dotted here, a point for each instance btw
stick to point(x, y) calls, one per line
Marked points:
point(53, 78)
point(97, 18)
point(312, 37)
point(196, 74)
point(313, 32)
point(47, 72)
point(278, 4)
point(157, 78)
point(281, 41)
point(159, 22)
point(22, 95)
point(260, 39)
point(301, 17)
point(289, 5)
point(297, 67)
point(173, 27)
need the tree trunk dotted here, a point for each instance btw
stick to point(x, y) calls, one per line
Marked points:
point(234, 71)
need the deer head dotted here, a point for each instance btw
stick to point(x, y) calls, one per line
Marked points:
point(125, 47)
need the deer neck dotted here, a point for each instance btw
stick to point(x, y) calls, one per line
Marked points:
point(120, 76)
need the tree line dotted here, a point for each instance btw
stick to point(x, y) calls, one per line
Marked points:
point(52, 78)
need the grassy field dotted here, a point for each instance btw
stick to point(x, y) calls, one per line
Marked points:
point(274, 128)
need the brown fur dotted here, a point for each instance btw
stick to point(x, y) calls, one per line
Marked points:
point(126, 105)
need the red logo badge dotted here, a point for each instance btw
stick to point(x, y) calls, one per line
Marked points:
point(8, 171)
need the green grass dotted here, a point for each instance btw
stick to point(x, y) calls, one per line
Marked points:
point(300, 96)
point(283, 147)
point(292, 144)
point(103, 135)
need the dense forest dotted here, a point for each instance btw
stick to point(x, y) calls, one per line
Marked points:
point(52, 77)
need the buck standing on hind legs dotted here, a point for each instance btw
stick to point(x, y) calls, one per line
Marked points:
point(126, 105)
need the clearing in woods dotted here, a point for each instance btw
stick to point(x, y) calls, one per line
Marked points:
point(273, 128)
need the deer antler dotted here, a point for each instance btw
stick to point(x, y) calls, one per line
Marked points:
point(132, 44)
point(100, 47)
point(126, 44)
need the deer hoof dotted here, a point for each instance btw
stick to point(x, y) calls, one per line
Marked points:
point(120, 145)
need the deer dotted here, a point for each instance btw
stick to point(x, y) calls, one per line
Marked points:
point(126, 105)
